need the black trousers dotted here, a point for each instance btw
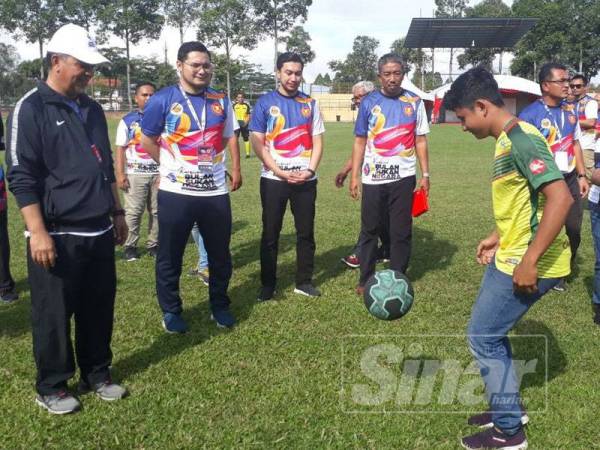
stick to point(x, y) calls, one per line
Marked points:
point(274, 196)
point(395, 197)
point(384, 237)
point(6, 280)
point(575, 216)
point(81, 284)
point(177, 214)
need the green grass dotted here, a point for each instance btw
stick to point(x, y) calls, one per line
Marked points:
point(275, 381)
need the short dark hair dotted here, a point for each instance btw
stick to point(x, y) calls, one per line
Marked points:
point(546, 70)
point(192, 46)
point(580, 76)
point(391, 58)
point(475, 84)
point(142, 84)
point(289, 57)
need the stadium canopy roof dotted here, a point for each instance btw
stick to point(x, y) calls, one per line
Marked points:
point(488, 32)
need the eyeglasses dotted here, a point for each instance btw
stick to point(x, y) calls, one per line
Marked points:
point(565, 81)
point(208, 67)
point(576, 86)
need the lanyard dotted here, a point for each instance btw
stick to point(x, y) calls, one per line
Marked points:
point(562, 119)
point(200, 122)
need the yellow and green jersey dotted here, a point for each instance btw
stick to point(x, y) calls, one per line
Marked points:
point(523, 163)
point(242, 111)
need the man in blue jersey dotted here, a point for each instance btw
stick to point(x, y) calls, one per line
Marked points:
point(137, 176)
point(390, 131)
point(287, 131)
point(360, 90)
point(557, 121)
point(186, 128)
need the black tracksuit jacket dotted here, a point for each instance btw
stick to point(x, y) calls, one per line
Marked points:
point(61, 160)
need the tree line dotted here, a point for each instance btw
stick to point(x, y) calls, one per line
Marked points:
point(221, 24)
point(567, 31)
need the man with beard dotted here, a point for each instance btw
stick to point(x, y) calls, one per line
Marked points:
point(61, 174)
point(186, 128)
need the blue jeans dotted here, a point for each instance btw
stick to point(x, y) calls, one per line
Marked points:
point(202, 256)
point(496, 311)
point(595, 216)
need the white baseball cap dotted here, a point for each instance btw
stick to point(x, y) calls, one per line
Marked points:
point(75, 41)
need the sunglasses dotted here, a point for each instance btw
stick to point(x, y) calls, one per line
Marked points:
point(576, 86)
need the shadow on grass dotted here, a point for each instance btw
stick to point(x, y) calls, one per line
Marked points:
point(15, 318)
point(534, 348)
point(428, 253)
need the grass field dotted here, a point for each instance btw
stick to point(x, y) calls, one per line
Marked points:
point(284, 376)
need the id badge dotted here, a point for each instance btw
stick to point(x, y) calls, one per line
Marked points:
point(562, 161)
point(206, 155)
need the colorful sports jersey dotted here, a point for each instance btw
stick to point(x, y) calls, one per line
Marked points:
point(242, 111)
point(192, 154)
point(594, 194)
point(522, 164)
point(129, 135)
point(559, 125)
point(390, 125)
point(289, 124)
point(587, 108)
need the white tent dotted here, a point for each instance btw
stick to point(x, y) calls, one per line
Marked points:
point(409, 85)
point(516, 92)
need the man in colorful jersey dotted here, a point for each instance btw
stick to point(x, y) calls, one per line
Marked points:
point(186, 128)
point(287, 131)
point(594, 205)
point(7, 284)
point(242, 114)
point(557, 121)
point(390, 131)
point(587, 113)
point(360, 90)
point(137, 176)
point(526, 254)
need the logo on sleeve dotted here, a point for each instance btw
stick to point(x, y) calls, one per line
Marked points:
point(537, 166)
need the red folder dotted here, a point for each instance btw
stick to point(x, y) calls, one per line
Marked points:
point(420, 203)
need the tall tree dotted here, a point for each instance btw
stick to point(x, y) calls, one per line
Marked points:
point(484, 56)
point(299, 42)
point(415, 58)
point(276, 17)
point(548, 41)
point(84, 13)
point(227, 24)
point(244, 76)
point(181, 13)
point(132, 21)
point(451, 9)
point(35, 20)
point(360, 64)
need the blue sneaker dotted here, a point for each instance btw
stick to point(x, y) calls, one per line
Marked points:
point(223, 318)
point(174, 323)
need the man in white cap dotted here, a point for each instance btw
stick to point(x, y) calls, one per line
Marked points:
point(60, 171)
